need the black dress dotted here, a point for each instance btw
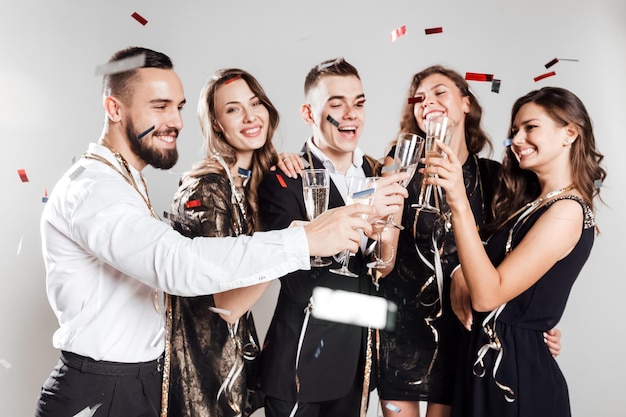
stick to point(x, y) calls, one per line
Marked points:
point(528, 381)
point(417, 362)
point(207, 376)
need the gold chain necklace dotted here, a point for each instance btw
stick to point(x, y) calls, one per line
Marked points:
point(128, 176)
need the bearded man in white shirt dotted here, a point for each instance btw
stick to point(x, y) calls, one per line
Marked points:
point(109, 258)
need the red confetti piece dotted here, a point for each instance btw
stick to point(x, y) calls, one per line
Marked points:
point(546, 75)
point(44, 199)
point(22, 174)
point(281, 181)
point(414, 100)
point(139, 18)
point(232, 80)
point(396, 33)
point(432, 31)
point(475, 76)
point(192, 203)
point(554, 61)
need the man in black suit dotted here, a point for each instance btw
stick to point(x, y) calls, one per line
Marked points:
point(313, 367)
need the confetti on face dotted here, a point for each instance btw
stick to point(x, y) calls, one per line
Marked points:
point(22, 174)
point(495, 86)
point(432, 31)
point(139, 18)
point(232, 80)
point(554, 61)
point(281, 181)
point(145, 132)
point(546, 75)
point(396, 33)
point(415, 100)
point(475, 76)
point(332, 121)
point(122, 65)
point(192, 203)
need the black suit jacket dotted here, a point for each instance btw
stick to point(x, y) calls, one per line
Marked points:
point(331, 359)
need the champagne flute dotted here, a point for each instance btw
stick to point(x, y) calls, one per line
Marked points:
point(438, 129)
point(360, 190)
point(315, 188)
point(408, 151)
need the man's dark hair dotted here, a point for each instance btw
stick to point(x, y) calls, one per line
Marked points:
point(120, 84)
point(337, 66)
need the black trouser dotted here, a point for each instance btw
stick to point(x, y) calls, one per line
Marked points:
point(109, 389)
point(347, 406)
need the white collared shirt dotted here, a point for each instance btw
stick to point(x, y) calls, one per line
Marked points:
point(355, 169)
point(105, 254)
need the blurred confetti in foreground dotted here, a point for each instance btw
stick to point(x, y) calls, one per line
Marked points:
point(397, 33)
point(121, 65)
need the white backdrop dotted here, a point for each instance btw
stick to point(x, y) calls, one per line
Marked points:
point(50, 108)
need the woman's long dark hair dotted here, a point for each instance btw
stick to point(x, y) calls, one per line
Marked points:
point(519, 186)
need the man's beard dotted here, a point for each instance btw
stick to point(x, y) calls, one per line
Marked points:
point(161, 159)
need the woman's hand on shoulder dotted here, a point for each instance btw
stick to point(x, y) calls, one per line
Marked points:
point(290, 164)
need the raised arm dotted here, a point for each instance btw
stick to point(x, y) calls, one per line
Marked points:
point(550, 239)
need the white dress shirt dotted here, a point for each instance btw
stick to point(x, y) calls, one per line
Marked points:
point(354, 170)
point(341, 181)
point(105, 255)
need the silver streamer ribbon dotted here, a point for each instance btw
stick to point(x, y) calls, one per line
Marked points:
point(493, 344)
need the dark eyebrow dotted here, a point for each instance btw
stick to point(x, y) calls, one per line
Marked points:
point(254, 97)
point(525, 122)
point(167, 101)
point(360, 96)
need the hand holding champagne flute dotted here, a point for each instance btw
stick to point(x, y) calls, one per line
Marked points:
point(438, 129)
point(360, 190)
point(315, 187)
point(408, 151)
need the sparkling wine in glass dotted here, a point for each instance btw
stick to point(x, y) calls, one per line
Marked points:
point(408, 151)
point(315, 188)
point(438, 129)
point(361, 191)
